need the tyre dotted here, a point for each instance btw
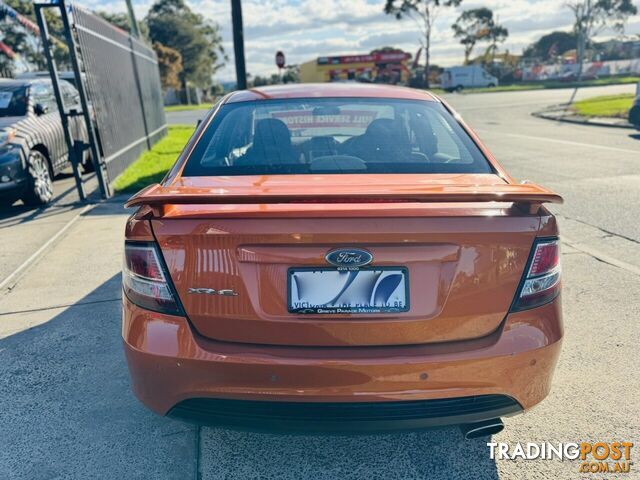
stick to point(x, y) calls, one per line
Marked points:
point(491, 85)
point(39, 182)
point(459, 88)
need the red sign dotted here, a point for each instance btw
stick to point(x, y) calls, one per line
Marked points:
point(304, 119)
point(380, 57)
point(280, 59)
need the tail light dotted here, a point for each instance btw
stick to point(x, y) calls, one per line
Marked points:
point(541, 283)
point(145, 281)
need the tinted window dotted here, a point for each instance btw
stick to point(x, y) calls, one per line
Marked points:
point(13, 101)
point(334, 135)
point(70, 95)
point(43, 93)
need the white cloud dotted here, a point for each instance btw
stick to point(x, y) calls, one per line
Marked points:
point(306, 29)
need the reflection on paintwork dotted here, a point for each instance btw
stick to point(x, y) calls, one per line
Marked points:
point(462, 278)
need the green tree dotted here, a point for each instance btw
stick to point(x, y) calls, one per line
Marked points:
point(291, 74)
point(170, 65)
point(6, 65)
point(259, 81)
point(173, 24)
point(425, 14)
point(592, 16)
point(121, 20)
point(26, 43)
point(497, 34)
point(478, 25)
point(550, 45)
point(217, 89)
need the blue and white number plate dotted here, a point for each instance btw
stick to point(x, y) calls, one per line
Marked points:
point(327, 290)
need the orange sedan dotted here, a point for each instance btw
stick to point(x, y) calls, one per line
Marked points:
point(340, 257)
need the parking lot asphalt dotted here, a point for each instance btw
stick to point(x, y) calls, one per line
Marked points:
point(66, 410)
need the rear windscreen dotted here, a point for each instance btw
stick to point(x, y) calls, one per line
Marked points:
point(334, 135)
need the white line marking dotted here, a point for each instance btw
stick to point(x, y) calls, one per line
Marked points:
point(13, 276)
point(564, 142)
point(461, 110)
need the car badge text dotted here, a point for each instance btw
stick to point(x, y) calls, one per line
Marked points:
point(349, 257)
point(225, 292)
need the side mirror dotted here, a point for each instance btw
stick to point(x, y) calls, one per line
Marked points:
point(40, 109)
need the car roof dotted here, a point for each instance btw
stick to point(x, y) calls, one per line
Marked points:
point(328, 90)
point(21, 82)
point(44, 74)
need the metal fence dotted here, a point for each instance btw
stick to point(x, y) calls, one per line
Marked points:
point(123, 85)
point(118, 74)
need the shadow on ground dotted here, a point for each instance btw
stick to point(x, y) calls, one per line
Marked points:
point(66, 410)
point(65, 195)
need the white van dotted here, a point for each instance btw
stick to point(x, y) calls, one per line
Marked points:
point(470, 76)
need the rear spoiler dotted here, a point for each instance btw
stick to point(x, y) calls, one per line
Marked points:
point(527, 196)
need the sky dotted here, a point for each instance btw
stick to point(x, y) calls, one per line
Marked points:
point(304, 30)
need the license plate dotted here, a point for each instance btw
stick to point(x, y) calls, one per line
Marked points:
point(336, 291)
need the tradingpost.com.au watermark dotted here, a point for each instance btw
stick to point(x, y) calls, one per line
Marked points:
point(594, 457)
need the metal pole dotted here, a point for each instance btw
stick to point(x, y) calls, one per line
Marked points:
point(238, 44)
point(64, 118)
point(136, 76)
point(100, 167)
point(135, 30)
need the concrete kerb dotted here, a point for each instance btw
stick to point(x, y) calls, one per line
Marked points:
point(561, 113)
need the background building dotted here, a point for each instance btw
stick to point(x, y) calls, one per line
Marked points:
point(381, 67)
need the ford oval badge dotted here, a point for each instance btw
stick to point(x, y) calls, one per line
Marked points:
point(349, 257)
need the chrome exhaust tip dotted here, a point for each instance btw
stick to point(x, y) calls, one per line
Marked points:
point(482, 429)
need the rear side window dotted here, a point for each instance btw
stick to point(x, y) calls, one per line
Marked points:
point(334, 135)
point(43, 93)
point(13, 101)
point(69, 94)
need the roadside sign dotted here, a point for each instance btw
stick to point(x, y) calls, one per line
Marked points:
point(280, 59)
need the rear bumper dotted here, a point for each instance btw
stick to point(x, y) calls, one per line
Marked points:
point(175, 371)
point(343, 416)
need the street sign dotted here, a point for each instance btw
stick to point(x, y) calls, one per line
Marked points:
point(280, 59)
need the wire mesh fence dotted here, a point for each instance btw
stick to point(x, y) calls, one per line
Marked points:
point(123, 85)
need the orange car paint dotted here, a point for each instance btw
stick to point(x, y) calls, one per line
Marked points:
point(170, 362)
point(465, 240)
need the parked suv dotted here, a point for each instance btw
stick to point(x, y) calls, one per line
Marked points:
point(32, 145)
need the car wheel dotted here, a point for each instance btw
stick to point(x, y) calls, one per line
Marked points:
point(459, 88)
point(39, 182)
point(491, 85)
